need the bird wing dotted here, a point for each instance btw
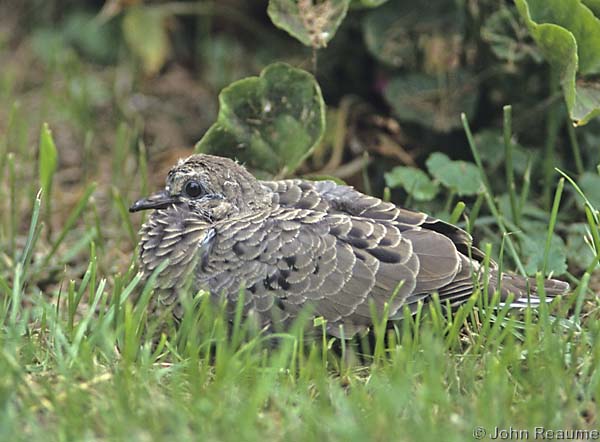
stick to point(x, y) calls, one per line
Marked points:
point(334, 198)
point(334, 263)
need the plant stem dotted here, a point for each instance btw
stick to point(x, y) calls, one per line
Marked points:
point(489, 196)
point(575, 147)
point(552, 128)
point(510, 176)
point(552, 223)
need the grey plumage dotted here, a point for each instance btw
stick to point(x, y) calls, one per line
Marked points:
point(297, 243)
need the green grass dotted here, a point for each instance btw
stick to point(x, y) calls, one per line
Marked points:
point(103, 376)
point(85, 362)
point(80, 360)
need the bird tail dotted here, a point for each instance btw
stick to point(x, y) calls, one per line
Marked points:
point(526, 290)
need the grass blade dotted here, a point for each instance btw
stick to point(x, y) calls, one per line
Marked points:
point(71, 220)
point(489, 196)
point(48, 161)
point(552, 223)
point(510, 175)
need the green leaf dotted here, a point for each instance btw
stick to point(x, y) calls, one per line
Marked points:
point(594, 6)
point(433, 101)
point(271, 122)
point(460, 176)
point(532, 250)
point(145, 33)
point(568, 35)
point(414, 181)
point(579, 251)
point(400, 32)
point(48, 160)
point(70, 222)
point(590, 185)
point(388, 38)
point(224, 60)
point(49, 45)
point(507, 38)
point(98, 41)
point(312, 22)
point(490, 144)
point(357, 4)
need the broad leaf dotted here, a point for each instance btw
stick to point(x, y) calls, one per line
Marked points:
point(399, 31)
point(490, 143)
point(366, 3)
point(414, 181)
point(533, 248)
point(92, 37)
point(590, 185)
point(507, 39)
point(460, 176)
point(312, 22)
point(594, 6)
point(432, 101)
point(146, 35)
point(271, 122)
point(568, 35)
point(578, 249)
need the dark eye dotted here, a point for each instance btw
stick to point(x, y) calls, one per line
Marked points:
point(193, 189)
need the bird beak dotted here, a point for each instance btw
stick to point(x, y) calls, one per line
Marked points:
point(158, 200)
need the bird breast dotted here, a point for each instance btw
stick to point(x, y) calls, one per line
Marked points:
point(179, 236)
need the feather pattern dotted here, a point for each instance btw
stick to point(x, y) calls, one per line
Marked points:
point(294, 244)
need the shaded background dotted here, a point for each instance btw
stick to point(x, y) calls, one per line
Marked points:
point(127, 91)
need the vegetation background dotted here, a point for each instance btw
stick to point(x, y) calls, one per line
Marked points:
point(99, 98)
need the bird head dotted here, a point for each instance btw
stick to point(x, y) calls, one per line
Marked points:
point(214, 187)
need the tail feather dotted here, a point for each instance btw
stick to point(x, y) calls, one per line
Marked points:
point(525, 290)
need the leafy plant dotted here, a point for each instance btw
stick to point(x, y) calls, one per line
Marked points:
point(145, 33)
point(78, 357)
point(459, 177)
point(568, 33)
point(433, 101)
point(48, 159)
point(271, 122)
point(47, 164)
point(313, 23)
point(414, 181)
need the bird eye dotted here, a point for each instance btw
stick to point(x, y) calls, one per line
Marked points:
point(193, 189)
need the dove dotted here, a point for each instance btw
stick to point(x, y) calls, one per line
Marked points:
point(296, 244)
